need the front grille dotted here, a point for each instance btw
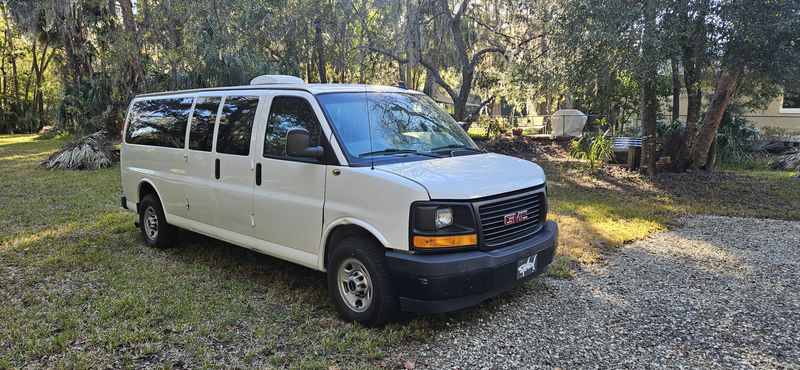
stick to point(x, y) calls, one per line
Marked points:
point(492, 213)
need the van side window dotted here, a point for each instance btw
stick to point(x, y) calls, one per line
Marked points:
point(236, 124)
point(201, 129)
point(288, 112)
point(159, 122)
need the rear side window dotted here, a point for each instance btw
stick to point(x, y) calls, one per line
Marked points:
point(288, 112)
point(201, 130)
point(236, 124)
point(159, 122)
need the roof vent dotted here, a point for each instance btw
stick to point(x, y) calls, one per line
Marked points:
point(276, 79)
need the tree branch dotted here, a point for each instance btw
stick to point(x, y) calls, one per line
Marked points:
point(460, 9)
point(478, 110)
point(449, 89)
point(476, 57)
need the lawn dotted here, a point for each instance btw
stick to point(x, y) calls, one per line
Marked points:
point(80, 289)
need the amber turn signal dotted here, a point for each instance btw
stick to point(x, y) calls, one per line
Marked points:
point(447, 241)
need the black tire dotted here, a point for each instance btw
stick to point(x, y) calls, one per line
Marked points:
point(383, 305)
point(165, 234)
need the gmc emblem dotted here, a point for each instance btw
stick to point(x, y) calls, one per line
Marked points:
point(515, 217)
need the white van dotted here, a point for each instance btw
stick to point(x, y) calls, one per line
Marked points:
point(375, 185)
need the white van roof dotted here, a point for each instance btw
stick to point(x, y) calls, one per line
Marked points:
point(280, 82)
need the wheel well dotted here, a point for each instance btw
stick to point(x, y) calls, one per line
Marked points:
point(340, 232)
point(144, 189)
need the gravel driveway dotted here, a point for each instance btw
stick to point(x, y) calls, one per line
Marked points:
point(717, 292)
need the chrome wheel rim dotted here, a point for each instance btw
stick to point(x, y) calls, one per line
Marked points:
point(150, 223)
point(355, 285)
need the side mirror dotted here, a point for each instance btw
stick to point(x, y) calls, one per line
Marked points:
point(298, 144)
point(463, 125)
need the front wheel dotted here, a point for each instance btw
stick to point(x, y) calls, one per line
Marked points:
point(359, 282)
point(156, 232)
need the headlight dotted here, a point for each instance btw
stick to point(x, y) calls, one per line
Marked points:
point(444, 217)
point(442, 225)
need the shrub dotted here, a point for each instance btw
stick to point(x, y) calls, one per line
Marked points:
point(735, 140)
point(596, 148)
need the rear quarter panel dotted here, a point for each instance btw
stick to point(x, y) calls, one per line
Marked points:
point(162, 167)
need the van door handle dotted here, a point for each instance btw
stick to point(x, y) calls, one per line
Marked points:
point(216, 169)
point(258, 174)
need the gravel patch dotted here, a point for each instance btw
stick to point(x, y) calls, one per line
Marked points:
point(717, 292)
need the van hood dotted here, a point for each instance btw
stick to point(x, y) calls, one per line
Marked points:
point(469, 176)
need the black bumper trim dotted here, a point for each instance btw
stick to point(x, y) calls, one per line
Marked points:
point(451, 281)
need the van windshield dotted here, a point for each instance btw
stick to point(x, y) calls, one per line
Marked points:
point(399, 125)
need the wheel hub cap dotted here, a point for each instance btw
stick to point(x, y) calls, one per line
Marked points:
point(150, 223)
point(355, 285)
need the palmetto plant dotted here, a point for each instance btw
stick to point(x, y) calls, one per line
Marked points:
point(596, 148)
point(735, 139)
point(88, 153)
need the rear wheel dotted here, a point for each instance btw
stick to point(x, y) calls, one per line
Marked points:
point(156, 232)
point(359, 283)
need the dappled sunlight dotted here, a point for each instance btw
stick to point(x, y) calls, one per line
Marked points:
point(28, 157)
point(16, 139)
point(708, 256)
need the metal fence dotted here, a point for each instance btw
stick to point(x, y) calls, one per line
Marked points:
point(777, 126)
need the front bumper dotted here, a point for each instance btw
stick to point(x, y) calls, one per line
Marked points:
point(432, 283)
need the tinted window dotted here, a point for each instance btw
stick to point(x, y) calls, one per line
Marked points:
point(236, 124)
point(286, 113)
point(201, 131)
point(159, 122)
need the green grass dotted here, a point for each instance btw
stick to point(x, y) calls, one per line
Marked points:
point(80, 289)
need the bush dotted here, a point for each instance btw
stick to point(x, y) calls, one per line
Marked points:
point(494, 125)
point(735, 140)
point(597, 148)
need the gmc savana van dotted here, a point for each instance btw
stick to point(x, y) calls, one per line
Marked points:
point(376, 186)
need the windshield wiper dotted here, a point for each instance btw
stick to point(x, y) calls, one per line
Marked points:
point(390, 151)
point(457, 146)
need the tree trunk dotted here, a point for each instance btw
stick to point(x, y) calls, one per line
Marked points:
point(676, 90)
point(136, 80)
point(175, 28)
point(320, 46)
point(649, 111)
point(649, 96)
point(693, 48)
point(726, 85)
point(430, 78)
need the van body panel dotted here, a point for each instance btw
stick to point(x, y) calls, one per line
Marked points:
point(233, 190)
point(342, 221)
point(378, 198)
point(289, 254)
point(233, 193)
point(164, 169)
point(199, 187)
point(200, 173)
point(481, 175)
point(288, 205)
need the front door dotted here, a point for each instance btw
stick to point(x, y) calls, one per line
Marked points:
point(290, 198)
point(233, 165)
